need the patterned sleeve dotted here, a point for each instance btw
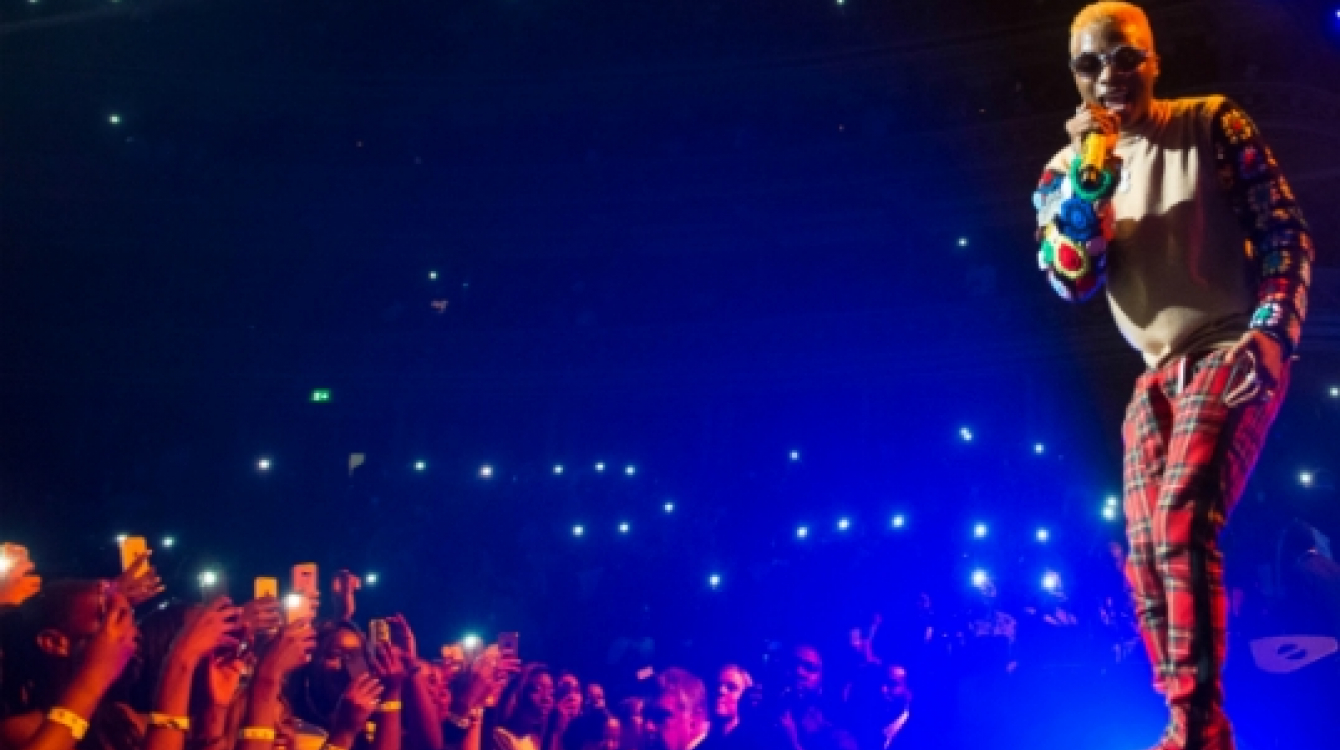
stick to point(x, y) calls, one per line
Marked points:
point(1277, 236)
point(1073, 228)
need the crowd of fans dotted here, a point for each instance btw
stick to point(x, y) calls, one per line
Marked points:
point(121, 665)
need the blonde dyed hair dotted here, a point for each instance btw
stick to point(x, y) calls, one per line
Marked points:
point(1111, 11)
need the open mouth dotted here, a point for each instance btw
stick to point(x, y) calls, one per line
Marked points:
point(1116, 100)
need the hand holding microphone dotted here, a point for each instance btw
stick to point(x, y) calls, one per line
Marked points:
point(1093, 132)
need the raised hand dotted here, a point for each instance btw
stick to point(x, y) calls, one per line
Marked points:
point(289, 650)
point(262, 615)
point(140, 582)
point(17, 581)
point(388, 665)
point(112, 646)
point(224, 676)
point(214, 627)
point(356, 705)
point(403, 637)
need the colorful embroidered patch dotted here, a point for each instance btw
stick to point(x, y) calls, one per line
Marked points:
point(1268, 315)
point(1106, 186)
point(1251, 163)
point(1237, 128)
point(1076, 219)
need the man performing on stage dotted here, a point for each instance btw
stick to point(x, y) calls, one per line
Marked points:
point(1155, 198)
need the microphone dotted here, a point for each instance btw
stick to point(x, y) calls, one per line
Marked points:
point(1094, 152)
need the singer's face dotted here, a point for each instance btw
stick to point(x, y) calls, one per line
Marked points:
point(1126, 94)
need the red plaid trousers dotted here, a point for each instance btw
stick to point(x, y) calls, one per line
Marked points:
point(1187, 460)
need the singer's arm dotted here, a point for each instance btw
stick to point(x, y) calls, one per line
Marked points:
point(1265, 206)
point(1073, 234)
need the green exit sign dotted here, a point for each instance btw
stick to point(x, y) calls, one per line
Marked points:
point(320, 395)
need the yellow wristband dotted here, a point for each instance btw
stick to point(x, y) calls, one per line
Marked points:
point(257, 733)
point(389, 706)
point(180, 723)
point(72, 721)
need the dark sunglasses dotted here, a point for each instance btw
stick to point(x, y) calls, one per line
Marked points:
point(1122, 60)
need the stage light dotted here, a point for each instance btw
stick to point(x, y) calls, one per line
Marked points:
point(168, 542)
point(420, 465)
point(962, 241)
point(293, 601)
point(1306, 478)
point(371, 579)
point(209, 578)
point(899, 521)
point(795, 455)
point(432, 275)
point(1042, 535)
point(1039, 448)
point(624, 527)
point(600, 467)
point(263, 464)
point(630, 470)
point(486, 472)
point(843, 524)
point(979, 531)
point(578, 530)
point(1110, 512)
point(669, 507)
point(121, 538)
point(114, 119)
point(980, 578)
point(1051, 581)
point(320, 395)
point(802, 532)
point(471, 642)
point(558, 469)
point(965, 434)
point(1335, 391)
point(1112, 501)
point(714, 580)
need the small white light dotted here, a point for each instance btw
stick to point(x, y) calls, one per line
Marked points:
point(486, 472)
point(1051, 581)
point(578, 530)
point(114, 119)
point(420, 465)
point(209, 578)
point(121, 538)
point(962, 241)
point(263, 464)
point(899, 521)
point(168, 541)
point(558, 469)
point(371, 579)
point(844, 524)
point(1110, 512)
point(979, 578)
point(471, 642)
point(714, 580)
point(432, 275)
point(1112, 501)
point(600, 466)
point(624, 527)
point(293, 601)
point(965, 434)
point(669, 507)
point(1335, 390)
point(795, 455)
point(1039, 448)
point(1306, 478)
point(979, 530)
point(1042, 535)
point(630, 470)
point(802, 532)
